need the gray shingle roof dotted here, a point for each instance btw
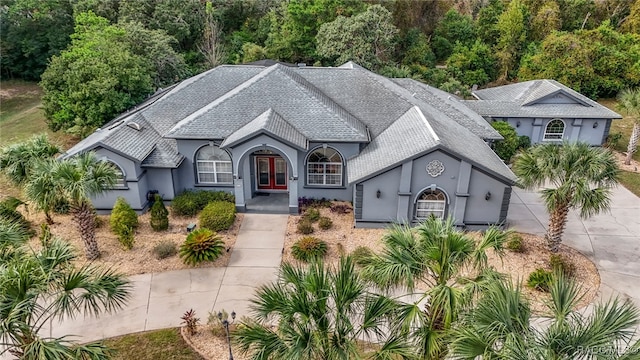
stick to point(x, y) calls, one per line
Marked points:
point(526, 99)
point(268, 122)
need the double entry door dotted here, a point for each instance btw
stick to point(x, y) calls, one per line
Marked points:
point(271, 173)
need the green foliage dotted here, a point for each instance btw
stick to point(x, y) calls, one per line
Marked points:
point(252, 52)
point(17, 160)
point(361, 255)
point(201, 245)
point(414, 48)
point(561, 264)
point(472, 65)
point(512, 27)
point(325, 223)
point(9, 213)
point(123, 222)
point(190, 202)
point(311, 215)
point(452, 29)
point(507, 147)
point(305, 227)
point(540, 279)
point(613, 140)
point(218, 215)
point(367, 38)
point(486, 22)
point(159, 219)
point(524, 142)
point(165, 249)
point(596, 63)
point(309, 248)
point(546, 20)
point(515, 243)
point(454, 86)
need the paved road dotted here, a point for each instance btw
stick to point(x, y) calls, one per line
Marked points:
point(611, 240)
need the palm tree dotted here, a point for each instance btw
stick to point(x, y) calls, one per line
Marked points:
point(16, 159)
point(435, 254)
point(321, 314)
point(500, 327)
point(36, 287)
point(629, 102)
point(580, 176)
point(41, 189)
point(77, 179)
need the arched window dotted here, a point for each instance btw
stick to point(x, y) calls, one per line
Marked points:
point(324, 167)
point(213, 166)
point(554, 130)
point(121, 180)
point(431, 202)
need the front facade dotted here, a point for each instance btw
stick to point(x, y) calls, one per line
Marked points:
point(546, 111)
point(398, 149)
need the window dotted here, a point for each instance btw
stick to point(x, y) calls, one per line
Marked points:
point(554, 130)
point(431, 202)
point(324, 167)
point(213, 166)
point(121, 181)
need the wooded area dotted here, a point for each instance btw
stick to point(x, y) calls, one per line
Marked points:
point(96, 58)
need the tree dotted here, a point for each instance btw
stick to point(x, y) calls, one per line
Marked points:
point(96, 78)
point(580, 177)
point(159, 219)
point(16, 160)
point(433, 253)
point(366, 38)
point(211, 47)
point(39, 286)
point(41, 189)
point(508, 146)
point(453, 28)
point(629, 102)
point(77, 179)
point(472, 65)
point(546, 20)
point(123, 222)
point(512, 27)
point(321, 313)
point(500, 327)
point(487, 20)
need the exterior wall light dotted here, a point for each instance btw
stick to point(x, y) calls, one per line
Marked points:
point(378, 193)
point(518, 123)
point(487, 196)
point(595, 124)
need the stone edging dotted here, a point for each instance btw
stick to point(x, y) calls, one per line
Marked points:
point(183, 333)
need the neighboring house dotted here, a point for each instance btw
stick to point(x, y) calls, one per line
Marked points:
point(398, 149)
point(545, 111)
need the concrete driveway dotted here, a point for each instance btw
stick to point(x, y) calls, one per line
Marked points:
point(611, 240)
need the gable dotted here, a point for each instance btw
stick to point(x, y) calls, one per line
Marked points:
point(556, 97)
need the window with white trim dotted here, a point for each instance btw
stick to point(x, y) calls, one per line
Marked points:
point(554, 130)
point(431, 202)
point(213, 166)
point(324, 167)
point(121, 179)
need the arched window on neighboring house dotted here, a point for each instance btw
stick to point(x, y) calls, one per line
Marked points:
point(431, 202)
point(554, 130)
point(213, 166)
point(324, 167)
point(121, 181)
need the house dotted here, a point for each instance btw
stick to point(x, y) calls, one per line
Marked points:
point(398, 149)
point(545, 111)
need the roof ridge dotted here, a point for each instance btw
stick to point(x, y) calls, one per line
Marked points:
point(228, 95)
point(353, 121)
point(421, 114)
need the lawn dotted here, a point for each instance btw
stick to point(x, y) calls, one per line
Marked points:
point(166, 344)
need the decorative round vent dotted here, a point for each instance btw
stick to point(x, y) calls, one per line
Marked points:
point(435, 168)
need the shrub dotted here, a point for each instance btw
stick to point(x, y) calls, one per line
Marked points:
point(159, 220)
point(218, 215)
point(515, 243)
point(165, 249)
point(123, 222)
point(201, 245)
point(524, 142)
point(190, 202)
point(216, 325)
point(190, 321)
point(340, 208)
point(305, 227)
point(305, 202)
point(507, 147)
point(325, 223)
point(9, 212)
point(361, 255)
point(540, 279)
point(612, 140)
point(561, 264)
point(308, 248)
point(311, 215)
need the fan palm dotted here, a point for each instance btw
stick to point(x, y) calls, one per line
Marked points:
point(434, 253)
point(16, 159)
point(500, 327)
point(36, 287)
point(76, 180)
point(580, 176)
point(41, 189)
point(321, 314)
point(629, 102)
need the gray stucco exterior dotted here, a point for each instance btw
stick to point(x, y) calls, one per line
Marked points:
point(388, 146)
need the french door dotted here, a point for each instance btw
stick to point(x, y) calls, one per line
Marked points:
point(271, 173)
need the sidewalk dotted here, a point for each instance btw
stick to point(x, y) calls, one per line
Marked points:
point(159, 300)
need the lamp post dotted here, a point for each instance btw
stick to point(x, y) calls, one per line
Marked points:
point(226, 323)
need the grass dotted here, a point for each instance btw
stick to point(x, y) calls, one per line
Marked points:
point(153, 345)
point(631, 181)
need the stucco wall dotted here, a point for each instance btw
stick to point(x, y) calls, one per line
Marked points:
point(187, 173)
point(479, 210)
point(161, 180)
point(136, 183)
point(575, 129)
point(384, 208)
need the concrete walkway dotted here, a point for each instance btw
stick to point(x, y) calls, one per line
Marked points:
point(159, 300)
point(611, 240)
